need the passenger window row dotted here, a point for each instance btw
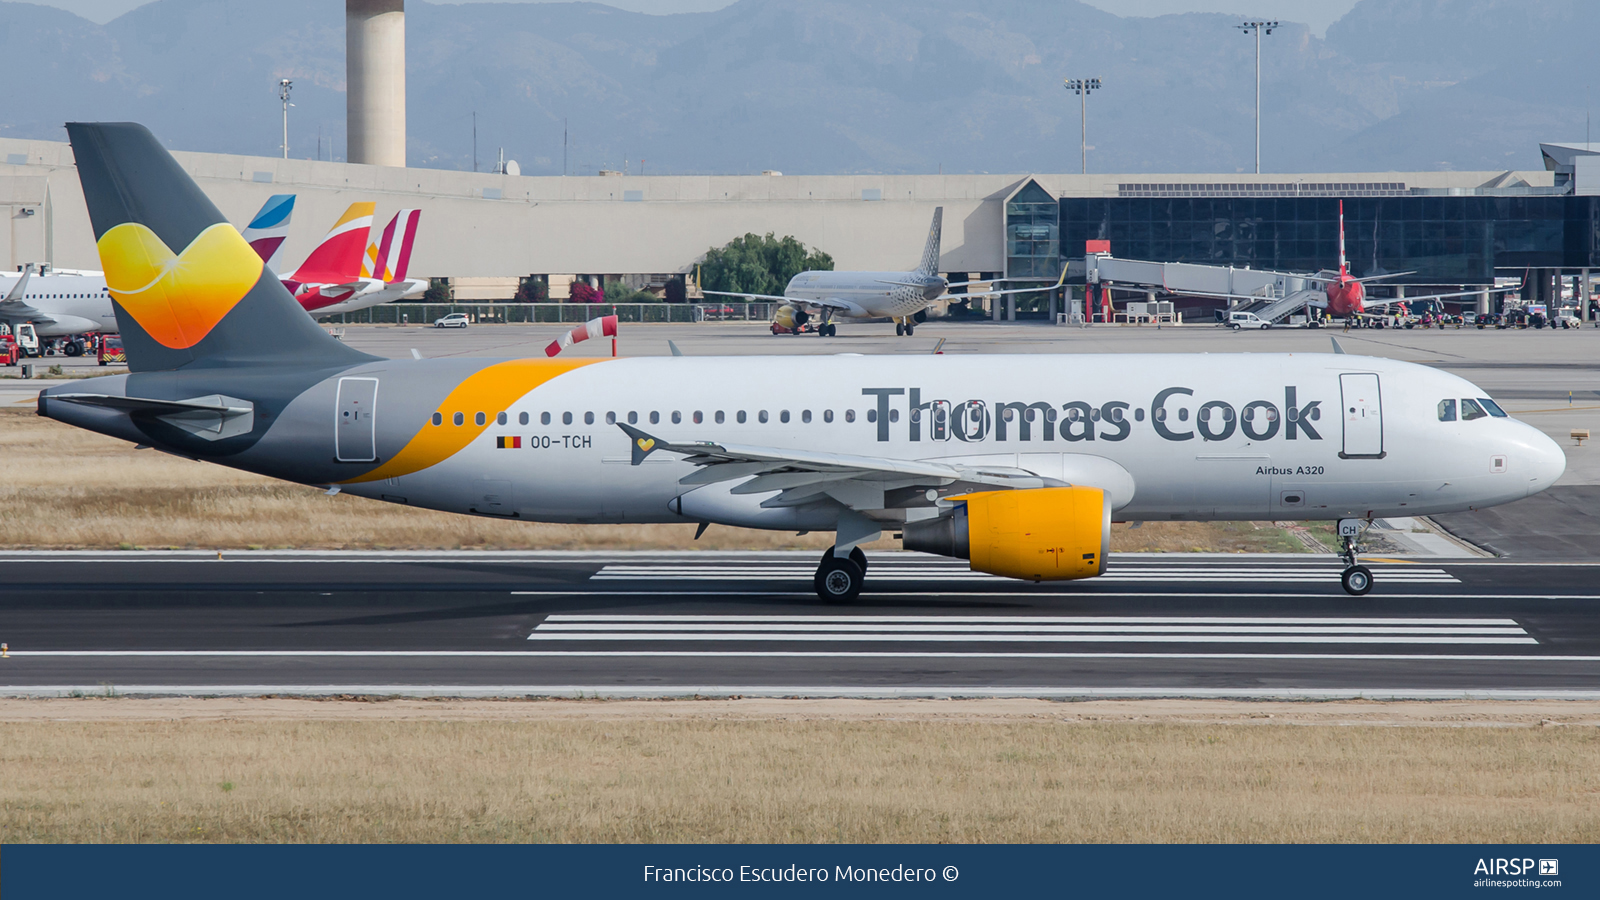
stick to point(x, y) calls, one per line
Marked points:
point(1470, 409)
point(655, 417)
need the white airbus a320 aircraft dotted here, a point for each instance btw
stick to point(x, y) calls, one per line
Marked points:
point(868, 295)
point(1016, 463)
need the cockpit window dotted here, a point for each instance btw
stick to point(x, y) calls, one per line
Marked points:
point(1493, 407)
point(1471, 410)
point(1447, 410)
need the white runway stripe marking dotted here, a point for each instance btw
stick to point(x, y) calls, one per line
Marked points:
point(945, 571)
point(1027, 630)
point(1040, 618)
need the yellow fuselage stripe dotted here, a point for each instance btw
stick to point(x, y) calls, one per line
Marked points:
point(489, 391)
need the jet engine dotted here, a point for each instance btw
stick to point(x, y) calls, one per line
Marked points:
point(1040, 534)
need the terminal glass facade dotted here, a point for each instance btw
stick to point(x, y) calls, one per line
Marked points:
point(1033, 238)
point(1444, 240)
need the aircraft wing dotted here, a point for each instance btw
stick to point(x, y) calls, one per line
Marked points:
point(1029, 290)
point(829, 302)
point(749, 296)
point(16, 309)
point(12, 306)
point(1326, 279)
point(1395, 300)
point(802, 476)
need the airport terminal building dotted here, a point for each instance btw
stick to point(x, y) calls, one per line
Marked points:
point(486, 231)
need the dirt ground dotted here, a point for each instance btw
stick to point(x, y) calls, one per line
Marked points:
point(278, 770)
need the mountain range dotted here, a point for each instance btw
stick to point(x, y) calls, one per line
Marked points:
point(818, 86)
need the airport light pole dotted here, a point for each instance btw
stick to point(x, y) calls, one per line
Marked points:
point(1257, 27)
point(284, 86)
point(1082, 87)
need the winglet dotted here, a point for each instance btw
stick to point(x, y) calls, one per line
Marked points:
point(1336, 348)
point(674, 348)
point(642, 444)
point(19, 290)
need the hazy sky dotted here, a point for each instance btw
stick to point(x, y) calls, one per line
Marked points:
point(1317, 13)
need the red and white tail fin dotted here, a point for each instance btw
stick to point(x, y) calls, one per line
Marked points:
point(338, 258)
point(1343, 269)
point(392, 255)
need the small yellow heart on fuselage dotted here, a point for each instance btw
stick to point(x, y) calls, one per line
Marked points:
point(647, 444)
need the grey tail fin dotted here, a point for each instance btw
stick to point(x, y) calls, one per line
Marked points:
point(185, 285)
point(930, 252)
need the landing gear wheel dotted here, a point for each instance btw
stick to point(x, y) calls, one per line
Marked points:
point(1356, 580)
point(838, 580)
point(899, 330)
point(910, 329)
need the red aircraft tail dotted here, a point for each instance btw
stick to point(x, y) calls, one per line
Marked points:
point(1344, 271)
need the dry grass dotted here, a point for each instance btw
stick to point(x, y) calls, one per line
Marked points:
point(67, 488)
point(802, 780)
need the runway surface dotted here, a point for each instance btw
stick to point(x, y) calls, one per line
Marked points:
point(673, 624)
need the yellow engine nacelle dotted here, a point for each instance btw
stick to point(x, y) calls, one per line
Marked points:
point(1042, 534)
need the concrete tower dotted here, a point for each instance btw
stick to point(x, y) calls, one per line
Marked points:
point(375, 73)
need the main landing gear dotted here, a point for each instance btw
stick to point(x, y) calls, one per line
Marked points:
point(839, 579)
point(905, 327)
point(1356, 580)
point(826, 328)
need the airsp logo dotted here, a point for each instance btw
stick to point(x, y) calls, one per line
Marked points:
point(1511, 866)
point(1549, 867)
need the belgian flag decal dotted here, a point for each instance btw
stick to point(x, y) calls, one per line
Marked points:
point(504, 442)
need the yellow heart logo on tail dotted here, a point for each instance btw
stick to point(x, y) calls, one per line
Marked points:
point(647, 444)
point(177, 298)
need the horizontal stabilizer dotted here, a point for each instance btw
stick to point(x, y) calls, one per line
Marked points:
point(212, 417)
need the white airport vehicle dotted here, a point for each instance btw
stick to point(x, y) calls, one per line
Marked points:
point(1238, 320)
point(453, 320)
point(867, 295)
point(1016, 463)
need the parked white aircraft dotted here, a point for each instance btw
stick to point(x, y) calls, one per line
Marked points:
point(60, 303)
point(867, 295)
point(1017, 463)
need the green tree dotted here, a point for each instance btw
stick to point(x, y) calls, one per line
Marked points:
point(758, 265)
point(617, 292)
point(438, 291)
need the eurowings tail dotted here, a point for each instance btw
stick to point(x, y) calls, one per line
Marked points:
point(270, 228)
point(337, 259)
point(185, 285)
point(389, 259)
point(930, 252)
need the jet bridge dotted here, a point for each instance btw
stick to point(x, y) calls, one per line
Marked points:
point(1273, 296)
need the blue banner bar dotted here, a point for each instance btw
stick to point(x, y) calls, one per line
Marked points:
point(394, 872)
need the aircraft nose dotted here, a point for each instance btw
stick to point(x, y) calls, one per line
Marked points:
point(1546, 460)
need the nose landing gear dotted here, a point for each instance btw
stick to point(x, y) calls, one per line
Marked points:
point(1356, 579)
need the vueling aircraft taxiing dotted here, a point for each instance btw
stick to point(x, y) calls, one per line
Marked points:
point(867, 295)
point(1016, 463)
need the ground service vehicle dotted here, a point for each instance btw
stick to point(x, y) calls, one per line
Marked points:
point(1238, 320)
point(111, 351)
